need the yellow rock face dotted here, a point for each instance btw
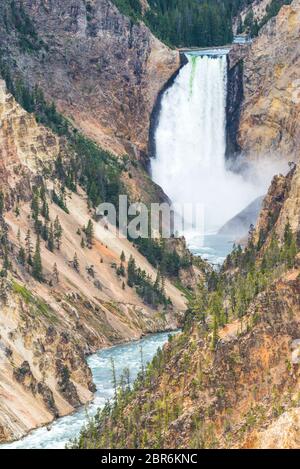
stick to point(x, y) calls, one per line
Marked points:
point(25, 146)
point(270, 123)
point(284, 433)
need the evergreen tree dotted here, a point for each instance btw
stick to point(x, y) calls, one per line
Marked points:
point(35, 209)
point(55, 274)
point(21, 256)
point(122, 257)
point(6, 264)
point(58, 232)
point(50, 243)
point(1, 204)
point(17, 211)
point(29, 248)
point(37, 270)
point(121, 271)
point(45, 210)
point(45, 231)
point(19, 237)
point(75, 263)
point(89, 232)
point(131, 275)
point(215, 336)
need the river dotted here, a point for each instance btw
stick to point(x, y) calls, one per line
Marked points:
point(66, 428)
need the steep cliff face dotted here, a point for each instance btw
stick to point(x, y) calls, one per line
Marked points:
point(235, 96)
point(102, 71)
point(269, 123)
point(25, 147)
point(281, 206)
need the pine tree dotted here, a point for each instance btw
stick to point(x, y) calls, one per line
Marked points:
point(290, 246)
point(89, 232)
point(215, 336)
point(45, 231)
point(19, 237)
point(29, 248)
point(122, 257)
point(1, 204)
point(35, 209)
point(121, 271)
point(55, 274)
point(58, 231)
point(45, 210)
point(37, 270)
point(21, 258)
point(75, 263)
point(3, 290)
point(114, 378)
point(288, 235)
point(50, 243)
point(131, 272)
point(17, 211)
point(157, 283)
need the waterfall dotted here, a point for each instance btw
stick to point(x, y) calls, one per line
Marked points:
point(190, 142)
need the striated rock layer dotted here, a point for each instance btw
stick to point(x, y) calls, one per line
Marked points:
point(269, 124)
point(101, 69)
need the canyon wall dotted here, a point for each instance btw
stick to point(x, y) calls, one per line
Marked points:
point(269, 124)
point(102, 70)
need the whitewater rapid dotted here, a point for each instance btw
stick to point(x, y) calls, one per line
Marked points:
point(190, 141)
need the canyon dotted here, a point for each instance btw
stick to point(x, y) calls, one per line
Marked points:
point(106, 75)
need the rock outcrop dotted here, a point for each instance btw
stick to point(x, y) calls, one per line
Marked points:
point(281, 206)
point(26, 148)
point(102, 70)
point(269, 124)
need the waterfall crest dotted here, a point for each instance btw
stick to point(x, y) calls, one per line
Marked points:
point(190, 143)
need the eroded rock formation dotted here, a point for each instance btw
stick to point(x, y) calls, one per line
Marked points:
point(269, 123)
point(101, 69)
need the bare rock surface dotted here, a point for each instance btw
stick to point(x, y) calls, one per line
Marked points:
point(102, 70)
point(269, 123)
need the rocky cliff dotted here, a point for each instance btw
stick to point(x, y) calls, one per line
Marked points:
point(102, 70)
point(269, 124)
point(281, 206)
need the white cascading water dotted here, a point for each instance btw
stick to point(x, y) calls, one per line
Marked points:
point(191, 143)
